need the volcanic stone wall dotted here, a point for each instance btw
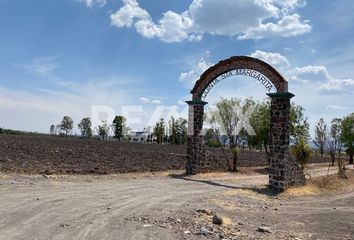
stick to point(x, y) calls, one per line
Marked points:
point(283, 171)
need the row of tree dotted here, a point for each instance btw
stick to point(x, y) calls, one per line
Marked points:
point(224, 129)
point(333, 139)
point(229, 120)
point(66, 126)
point(233, 123)
point(174, 132)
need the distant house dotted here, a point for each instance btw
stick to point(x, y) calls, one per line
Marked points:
point(140, 137)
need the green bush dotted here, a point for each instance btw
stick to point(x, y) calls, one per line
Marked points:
point(302, 152)
point(213, 143)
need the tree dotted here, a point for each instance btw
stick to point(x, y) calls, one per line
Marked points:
point(230, 118)
point(210, 138)
point(57, 129)
point(260, 121)
point(321, 135)
point(302, 152)
point(347, 136)
point(120, 127)
point(178, 131)
point(85, 127)
point(52, 129)
point(334, 144)
point(148, 131)
point(159, 131)
point(299, 126)
point(67, 124)
point(103, 129)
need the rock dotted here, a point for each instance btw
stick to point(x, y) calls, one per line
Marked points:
point(147, 225)
point(204, 231)
point(186, 232)
point(264, 229)
point(205, 211)
point(48, 172)
point(179, 220)
point(217, 220)
point(64, 225)
point(109, 208)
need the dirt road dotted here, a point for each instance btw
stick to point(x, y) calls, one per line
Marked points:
point(157, 206)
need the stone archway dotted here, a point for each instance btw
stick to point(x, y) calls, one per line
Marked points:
point(284, 171)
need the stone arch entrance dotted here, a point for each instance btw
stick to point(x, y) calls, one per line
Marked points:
point(283, 170)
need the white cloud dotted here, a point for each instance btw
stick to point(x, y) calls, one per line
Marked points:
point(335, 107)
point(172, 27)
point(191, 76)
point(144, 99)
point(155, 101)
point(309, 74)
point(271, 58)
point(41, 66)
point(288, 26)
point(182, 103)
point(320, 75)
point(228, 17)
point(244, 19)
point(148, 29)
point(91, 3)
point(337, 85)
point(45, 67)
point(152, 101)
point(288, 5)
point(126, 15)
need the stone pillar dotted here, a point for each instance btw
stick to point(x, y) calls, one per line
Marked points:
point(195, 149)
point(283, 169)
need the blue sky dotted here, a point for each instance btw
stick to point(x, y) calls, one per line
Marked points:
point(62, 57)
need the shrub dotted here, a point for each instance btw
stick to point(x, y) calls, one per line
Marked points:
point(302, 152)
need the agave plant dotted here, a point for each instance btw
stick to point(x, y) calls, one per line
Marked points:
point(302, 152)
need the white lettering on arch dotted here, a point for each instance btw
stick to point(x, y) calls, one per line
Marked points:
point(239, 72)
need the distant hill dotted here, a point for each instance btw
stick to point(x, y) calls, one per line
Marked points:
point(18, 132)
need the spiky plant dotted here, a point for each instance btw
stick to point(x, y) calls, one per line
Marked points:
point(302, 152)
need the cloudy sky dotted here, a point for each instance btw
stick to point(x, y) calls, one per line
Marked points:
point(141, 57)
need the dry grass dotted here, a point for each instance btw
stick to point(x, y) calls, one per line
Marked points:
point(226, 221)
point(323, 185)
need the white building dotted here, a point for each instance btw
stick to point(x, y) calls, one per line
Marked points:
point(140, 137)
